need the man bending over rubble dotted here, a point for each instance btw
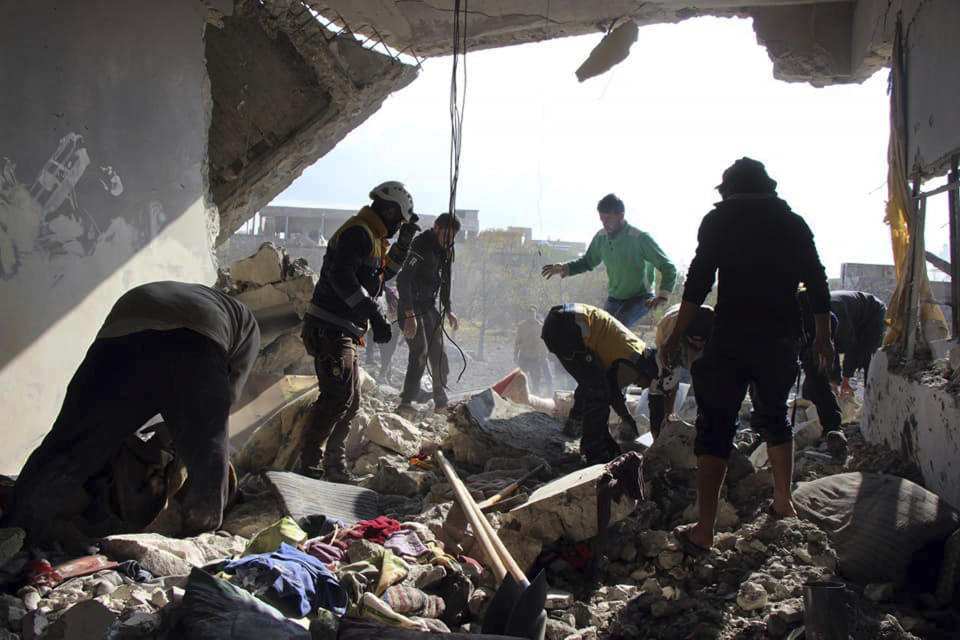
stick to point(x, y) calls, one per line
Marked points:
point(663, 390)
point(762, 251)
point(181, 350)
point(355, 266)
point(603, 356)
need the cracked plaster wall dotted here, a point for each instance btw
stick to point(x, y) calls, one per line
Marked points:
point(918, 421)
point(105, 111)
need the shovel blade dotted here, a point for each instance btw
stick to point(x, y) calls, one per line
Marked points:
point(506, 597)
point(528, 619)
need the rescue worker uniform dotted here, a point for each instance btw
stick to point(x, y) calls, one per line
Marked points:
point(171, 348)
point(357, 262)
point(603, 356)
point(762, 251)
point(531, 355)
point(631, 258)
point(668, 378)
point(425, 275)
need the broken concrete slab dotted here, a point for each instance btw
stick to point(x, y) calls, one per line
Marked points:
point(163, 556)
point(299, 291)
point(673, 449)
point(265, 297)
point(87, 620)
point(275, 441)
point(251, 516)
point(566, 508)
point(281, 354)
point(264, 267)
point(488, 426)
point(395, 433)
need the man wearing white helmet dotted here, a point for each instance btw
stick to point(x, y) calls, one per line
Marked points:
point(359, 259)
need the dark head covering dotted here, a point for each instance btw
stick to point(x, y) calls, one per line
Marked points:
point(746, 175)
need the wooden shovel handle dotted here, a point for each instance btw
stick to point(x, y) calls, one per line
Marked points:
point(466, 503)
point(479, 522)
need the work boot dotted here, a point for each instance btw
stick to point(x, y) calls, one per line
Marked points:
point(336, 471)
point(312, 471)
point(837, 446)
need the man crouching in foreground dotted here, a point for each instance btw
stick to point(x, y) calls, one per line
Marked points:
point(181, 350)
point(762, 250)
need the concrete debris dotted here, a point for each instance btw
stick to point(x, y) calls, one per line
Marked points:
point(394, 433)
point(281, 354)
point(264, 267)
point(489, 426)
point(164, 556)
point(275, 443)
point(88, 620)
point(566, 508)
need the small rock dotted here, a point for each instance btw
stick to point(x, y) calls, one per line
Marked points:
point(752, 596)
point(784, 616)
point(394, 433)
point(103, 587)
point(651, 586)
point(30, 597)
point(642, 574)
point(655, 542)
point(87, 619)
point(669, 559)
point(159, 598)
point(139, 621)
point(558, 630)
point(670, 593)
point(264, 267)
point(557, 599)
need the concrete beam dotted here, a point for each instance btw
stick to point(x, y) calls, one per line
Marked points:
point(285, 92)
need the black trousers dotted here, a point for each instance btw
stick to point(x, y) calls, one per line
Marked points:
point(592, 398)
point(730, 363)
point(427, 345)
point(336, 363)
point(121, 383)
point(817, 389)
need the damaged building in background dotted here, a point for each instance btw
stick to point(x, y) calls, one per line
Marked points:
point(139, 136)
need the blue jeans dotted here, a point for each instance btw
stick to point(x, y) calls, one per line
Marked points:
point(628, 311)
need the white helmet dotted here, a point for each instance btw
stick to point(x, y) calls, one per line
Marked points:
point(395, 192)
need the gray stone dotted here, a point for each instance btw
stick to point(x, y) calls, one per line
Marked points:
point(299, 290)
point(488, 426)
point(673, 449)
point(669, 559)
point(566, 507)
point(752, 596)
point(284, 352)
point(164, 556)
point(784, 616)
point(87, 620)
point(399, 479)
point(395, 433)
point(654, 542)
point(257, 298)
point(558, 630)
point(11, 541)
point(727, 517)
point(12, 610)
point(249, 518)
point(557, 599)
point(264, 267)
point(524, 549)
point(34, 625)
point(30, 597)
point(628, 553)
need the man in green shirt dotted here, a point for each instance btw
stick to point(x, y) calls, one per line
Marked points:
point(631, 257)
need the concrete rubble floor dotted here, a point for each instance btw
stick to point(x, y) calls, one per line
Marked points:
point(749, 586)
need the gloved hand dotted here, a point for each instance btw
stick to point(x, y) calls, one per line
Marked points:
point(381, 329)
point(407, 231)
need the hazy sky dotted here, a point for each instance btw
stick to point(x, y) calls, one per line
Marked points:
point(540, 149)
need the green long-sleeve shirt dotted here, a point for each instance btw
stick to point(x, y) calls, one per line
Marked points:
point(631, 258)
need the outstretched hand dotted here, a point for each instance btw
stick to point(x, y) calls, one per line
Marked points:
point(551, 270)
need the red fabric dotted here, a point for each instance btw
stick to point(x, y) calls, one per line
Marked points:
point(376, 530)
point(40, 572)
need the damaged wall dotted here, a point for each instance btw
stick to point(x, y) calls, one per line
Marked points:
point(917, 420)
point(105, 111)
point(285, 92)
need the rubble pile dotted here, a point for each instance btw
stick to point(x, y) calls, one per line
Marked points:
point(296, 555)
point(266, 281)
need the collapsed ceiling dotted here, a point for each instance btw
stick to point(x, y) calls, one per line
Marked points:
point(289, 80)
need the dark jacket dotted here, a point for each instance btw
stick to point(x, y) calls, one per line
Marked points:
point(355, 266)
point(425, 274)
point(860, 327)
point(762, 251)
